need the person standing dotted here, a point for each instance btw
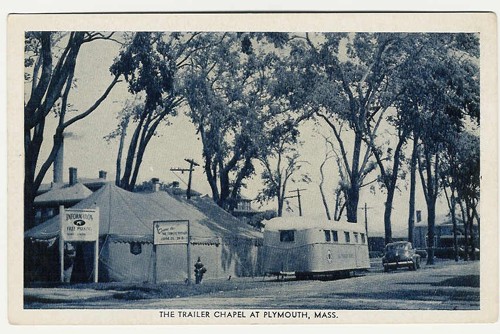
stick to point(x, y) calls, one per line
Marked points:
point(199, 270)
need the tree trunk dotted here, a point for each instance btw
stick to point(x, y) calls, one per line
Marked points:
point(431, 222)
point(123, 135)
point(391, 181)
point(325, 203)
point(32, 145)
point(470, 221)
point(466, 232)
point(281, 201)
point(353, 191)
point(323, 197)
point(224, 188)
point(475, 214)
point(451, 200)
point(413, 180)
point(352, 204)
point(387, 216)
point(212, 178)
point(454, 222)
point(125, 182)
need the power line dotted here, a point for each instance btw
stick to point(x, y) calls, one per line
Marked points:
point(298, 198)
point(192, 164)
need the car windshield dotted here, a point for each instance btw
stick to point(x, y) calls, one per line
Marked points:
point(394, 247)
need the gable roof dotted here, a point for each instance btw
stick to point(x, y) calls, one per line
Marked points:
point(64, 194)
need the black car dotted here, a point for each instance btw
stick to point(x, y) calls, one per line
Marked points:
point(400, 254)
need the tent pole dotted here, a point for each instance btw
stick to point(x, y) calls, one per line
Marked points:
point(61, 242)
point(96, 251)
point(154, 264)
point(96, 261)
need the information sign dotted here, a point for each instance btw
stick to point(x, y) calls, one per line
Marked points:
point(80, 224)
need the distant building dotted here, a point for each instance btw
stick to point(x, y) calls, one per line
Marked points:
point(443, 231)
point(93, 184)
point(244, 208)
point(66, 194)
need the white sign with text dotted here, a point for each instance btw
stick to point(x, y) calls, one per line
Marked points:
point(170, 232)
point(80, 225)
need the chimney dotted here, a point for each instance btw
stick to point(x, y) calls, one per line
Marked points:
point(58, 165)
point(102, 174)
point(73, 176)
point(156, 184)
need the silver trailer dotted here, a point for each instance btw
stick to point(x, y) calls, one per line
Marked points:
point(308, 247)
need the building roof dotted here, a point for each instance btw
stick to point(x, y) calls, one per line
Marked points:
point(440, 220)
point(178, 191)
point(91, 183)
point(63, 194)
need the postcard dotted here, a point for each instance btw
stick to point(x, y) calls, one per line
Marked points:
point(252, 168)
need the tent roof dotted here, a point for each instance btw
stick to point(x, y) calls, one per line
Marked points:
point(64, 194)
point(221, 221)
point(127, 216)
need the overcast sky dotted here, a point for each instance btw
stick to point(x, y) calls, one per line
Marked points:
point(86, 149)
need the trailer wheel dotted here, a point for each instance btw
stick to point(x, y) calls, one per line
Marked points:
point(300, 276)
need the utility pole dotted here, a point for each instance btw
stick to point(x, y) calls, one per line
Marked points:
point(366, 222)
point(192, 164)
point(298, 198)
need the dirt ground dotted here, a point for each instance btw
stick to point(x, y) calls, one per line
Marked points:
point(446, 285)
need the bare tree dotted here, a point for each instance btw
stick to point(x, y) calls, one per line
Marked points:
point(50, 62)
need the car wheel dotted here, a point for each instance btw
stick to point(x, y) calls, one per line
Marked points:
point(413, 266)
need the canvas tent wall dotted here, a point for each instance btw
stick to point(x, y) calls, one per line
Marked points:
point(126, 235)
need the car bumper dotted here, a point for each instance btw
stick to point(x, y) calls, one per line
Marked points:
point(398, 263)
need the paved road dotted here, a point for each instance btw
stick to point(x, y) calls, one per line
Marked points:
point(446, 286)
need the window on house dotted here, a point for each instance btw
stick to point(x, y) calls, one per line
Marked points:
point(347, 237)
point(356, 237)
point(363, 240)
point(335, 236)
point(287, 236)
point(328, 236)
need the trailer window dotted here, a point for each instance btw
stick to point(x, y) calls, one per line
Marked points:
point(287, 236)
point(347, 237)
point(356, 238)
point(362, 238)
point(335, 236)
point(328, 237)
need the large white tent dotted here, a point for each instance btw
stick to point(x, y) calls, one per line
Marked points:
point(225, 245)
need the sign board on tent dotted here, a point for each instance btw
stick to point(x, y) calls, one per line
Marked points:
point(80, 225)
point(170, 232)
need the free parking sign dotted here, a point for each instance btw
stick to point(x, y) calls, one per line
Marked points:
point(80, 224)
